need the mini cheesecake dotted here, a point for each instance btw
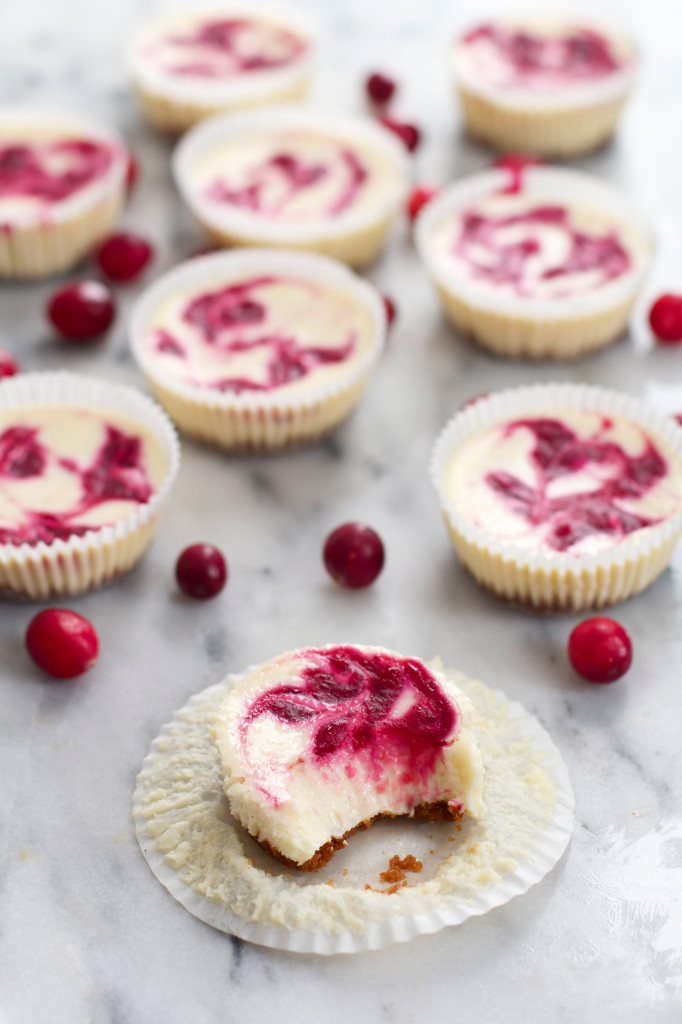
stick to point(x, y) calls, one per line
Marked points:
point(294, 178)
point(191, 64)
point(85, 471)
point(561, 496)
point(541, 263)
point(319, 742)
point(258, 348)
point(62, 184)
point(542, 84)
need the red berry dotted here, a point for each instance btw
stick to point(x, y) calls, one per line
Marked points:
point(8, 364)
point(123, 256)
point(678, 417)
point(419, 197)
point(665, 318)
point(391, 311)
point(354, 555)
point(409, 134)
point(380, 88)
point(82, 311)
point(600, 650)
point(62, 643)
point(201, 571)
point(132, 172)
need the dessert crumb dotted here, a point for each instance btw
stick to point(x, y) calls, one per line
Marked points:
point(330, 882)
point(397, 868)
point(472, 849)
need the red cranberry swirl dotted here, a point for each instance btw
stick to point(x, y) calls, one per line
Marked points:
point(51, 171)
point(497, 253)
point(574, 56)
point(559, 452)
point(350, 699)
point(270, 186)
point(116, 474)
point(233, 321)
point(223, 47)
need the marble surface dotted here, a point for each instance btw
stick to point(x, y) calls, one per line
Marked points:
point(87, 934)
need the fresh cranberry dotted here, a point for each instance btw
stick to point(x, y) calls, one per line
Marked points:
point(354, 555)
point(409, 134)
point(132, 172)
point(62, 643)
point(665, 318)
point(380, 88)
point(123, 256)
point(600, 650)
point(82, 311)
point(201, 571)
point(8, 364)
point(391, 311)
point(419, 197)
point(678, 417)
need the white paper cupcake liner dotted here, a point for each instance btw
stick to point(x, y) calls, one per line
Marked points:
point(256, 419)
point(217, 872)
point(70, 567)
point(514, 325)
point(40, 244)
point(354, 236)
point(543, 578)
point(175, 102)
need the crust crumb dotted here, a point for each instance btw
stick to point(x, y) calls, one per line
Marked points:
point(397, 868)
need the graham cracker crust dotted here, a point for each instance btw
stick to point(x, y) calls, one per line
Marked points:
point(438, 811)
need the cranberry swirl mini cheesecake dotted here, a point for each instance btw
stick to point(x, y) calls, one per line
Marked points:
point(294, 178)
point(542, 84)
point(545, 263)
point(319, 742)
point(62, 184)
point(85, 473)
point(258, 349)
point(195, 63)
point(560, 495)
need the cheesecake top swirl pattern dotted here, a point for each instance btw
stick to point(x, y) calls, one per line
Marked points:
point(220, 48)
point(293, 175)
point(66, 471)
point(539, 58)
point(573, 481)
point(37, 173)
point(517, 244)
point(256, 334)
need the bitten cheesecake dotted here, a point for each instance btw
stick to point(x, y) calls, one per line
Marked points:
point(319, 742)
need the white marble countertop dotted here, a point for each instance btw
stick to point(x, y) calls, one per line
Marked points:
point(87, 934)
